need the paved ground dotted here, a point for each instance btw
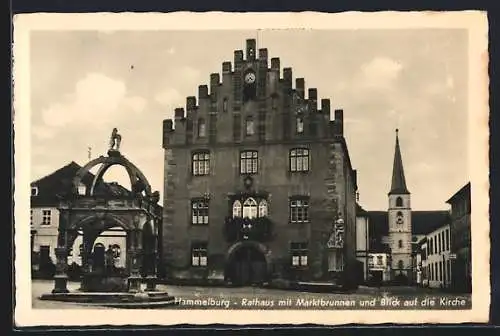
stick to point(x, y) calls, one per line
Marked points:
point(238, 295)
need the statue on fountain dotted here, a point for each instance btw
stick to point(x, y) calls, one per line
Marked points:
point(114, 142)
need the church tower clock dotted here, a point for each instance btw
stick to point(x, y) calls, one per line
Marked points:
point(399, 217)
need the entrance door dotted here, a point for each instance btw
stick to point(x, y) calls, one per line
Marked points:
point(247, 267)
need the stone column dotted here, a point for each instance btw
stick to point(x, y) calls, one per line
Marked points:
point(134, 260)
point(61, 277)
point(86, 251)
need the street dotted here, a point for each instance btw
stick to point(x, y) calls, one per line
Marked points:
point(262, 298)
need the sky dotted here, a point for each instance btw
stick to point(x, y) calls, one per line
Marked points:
point(84, 83)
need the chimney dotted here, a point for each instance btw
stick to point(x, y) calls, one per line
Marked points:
point(179, 113)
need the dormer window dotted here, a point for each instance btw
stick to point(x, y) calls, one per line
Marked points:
point(34, 191)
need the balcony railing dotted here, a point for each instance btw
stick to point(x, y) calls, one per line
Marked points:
point(259, 229)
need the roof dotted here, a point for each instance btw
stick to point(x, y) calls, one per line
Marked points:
point(423, 222)
point(464, 191)
point(398, 185)
point(59, 183)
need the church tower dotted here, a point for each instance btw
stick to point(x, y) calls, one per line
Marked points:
point(399, 216)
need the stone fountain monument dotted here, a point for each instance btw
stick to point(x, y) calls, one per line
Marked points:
point(89, 213)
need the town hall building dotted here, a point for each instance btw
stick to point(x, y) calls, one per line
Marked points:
point(258, 182)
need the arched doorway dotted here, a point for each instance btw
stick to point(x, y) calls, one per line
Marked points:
point(246, 266)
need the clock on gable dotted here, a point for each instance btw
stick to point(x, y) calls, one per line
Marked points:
point(250, 78)
point(250, 87)
point(399, 219)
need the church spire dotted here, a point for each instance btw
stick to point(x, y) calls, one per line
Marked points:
point(398, 185)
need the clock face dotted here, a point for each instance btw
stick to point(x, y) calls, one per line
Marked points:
point(250, 77)
point(399, 220)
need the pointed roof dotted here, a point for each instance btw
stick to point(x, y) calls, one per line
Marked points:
point(398, 185)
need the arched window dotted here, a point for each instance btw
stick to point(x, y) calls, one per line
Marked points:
point(202, 128)
point(250, 208)
point(224, 105)
point(399, 202)
point(400, 243)
point(399, 214)
point(263, 208)
point(400, 264)
point(237, 209)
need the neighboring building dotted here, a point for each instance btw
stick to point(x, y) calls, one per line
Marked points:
point(362, 239)
point(422, 278)
point(379, 268)
point(460, 228)
point(398, 231)
point(45, 197)
point(438, 262)
point(255, 176)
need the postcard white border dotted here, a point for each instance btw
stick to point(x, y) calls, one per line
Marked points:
point(475, 22)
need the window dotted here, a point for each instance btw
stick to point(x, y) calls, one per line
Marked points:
point(34, 191)
point(202, 128)
point(400, 243)
point(31, 216)
point(299, 160)
point(201, 163)
point(399, 202)
point(224, 105)
point(442, 240)
point(46, 217)
point(237, 209)
point(249, 126)
point(248, 162)
point(299, 210)
point(400, 264)
point(199, 254)
point(263, 208)
point(447, 236)
point(300, 125)
point(299, 254)
point(82, 189)
point(439, 243)
point(250, 208)
point(380, 260)
point(199, 211)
